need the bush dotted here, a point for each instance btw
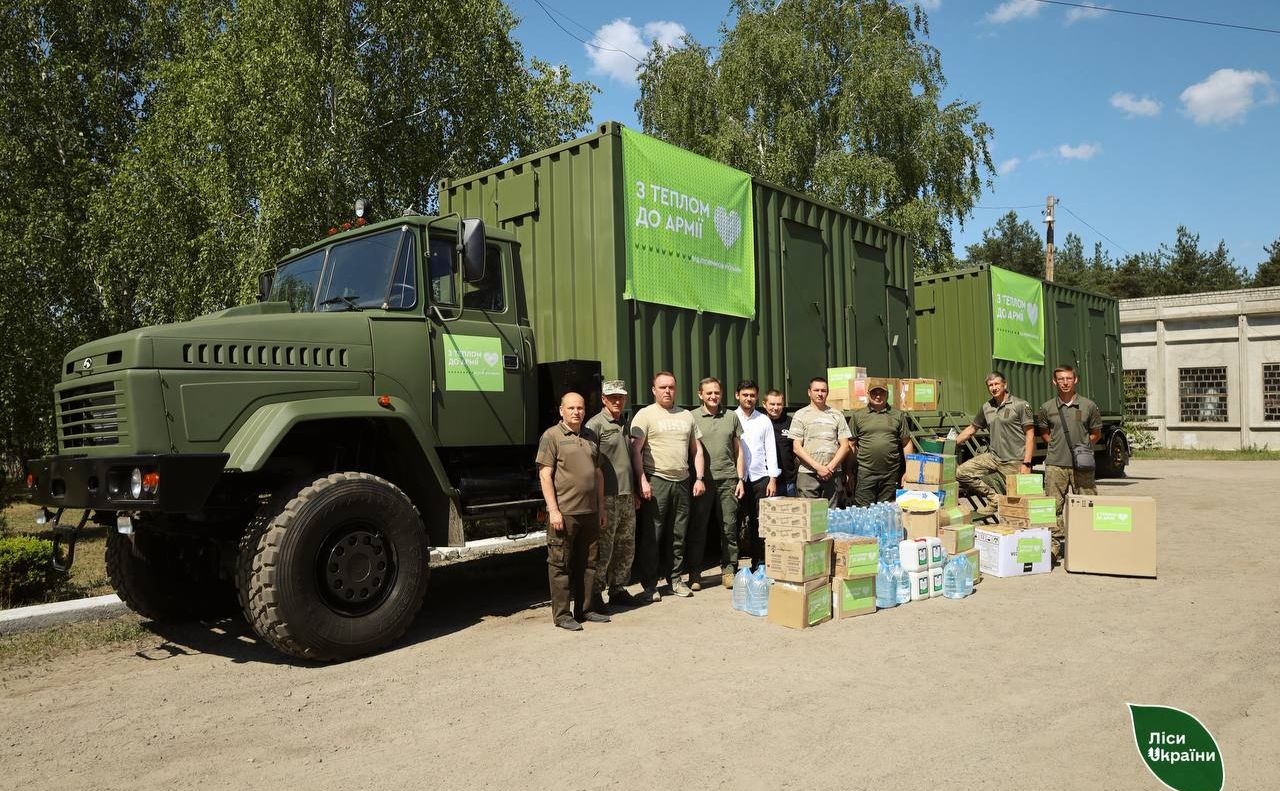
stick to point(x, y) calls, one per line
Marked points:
point(27, 575)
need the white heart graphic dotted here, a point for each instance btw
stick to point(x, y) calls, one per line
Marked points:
point(1032, 312)
point(728, 226)
point(490, 359)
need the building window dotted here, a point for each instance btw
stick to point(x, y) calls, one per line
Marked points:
point(1202, 394)
point(1271, 391)
point(1135, 391)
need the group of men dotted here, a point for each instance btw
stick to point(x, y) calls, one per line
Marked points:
point(687, 471)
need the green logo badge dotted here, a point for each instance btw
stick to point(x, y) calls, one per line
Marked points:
point(472, 362)
point(1030, 550)
point(1113, 518)
point(1177, 748)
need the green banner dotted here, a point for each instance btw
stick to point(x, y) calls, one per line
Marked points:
point(472, 362)
point(690, 241)
point(1017, 317)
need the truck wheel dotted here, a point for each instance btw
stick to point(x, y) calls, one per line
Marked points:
point(165, 579)
point(336, 571)
point(1115, 455)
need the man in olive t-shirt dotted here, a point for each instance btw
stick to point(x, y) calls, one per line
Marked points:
point(1084, 425)
point(880, 440)
point(722, 453)
point(1010, 441)
point(665, 436)
point(573, 488)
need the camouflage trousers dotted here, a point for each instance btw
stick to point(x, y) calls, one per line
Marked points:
point(617, 543)
point(1057, 481)
point(972, 474)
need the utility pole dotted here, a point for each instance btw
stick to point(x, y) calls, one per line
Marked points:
point(1048, 236)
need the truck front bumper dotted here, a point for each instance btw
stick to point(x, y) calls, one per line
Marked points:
point(102, 482)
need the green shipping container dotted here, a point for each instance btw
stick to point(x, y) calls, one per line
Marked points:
point(831, 288)
point(955, 327)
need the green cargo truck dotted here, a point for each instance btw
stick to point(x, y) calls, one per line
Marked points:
point(983, 319)
point(300, 456)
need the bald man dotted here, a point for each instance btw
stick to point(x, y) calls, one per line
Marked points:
point(573, 488)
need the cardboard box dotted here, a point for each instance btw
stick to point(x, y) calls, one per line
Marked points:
point(975, 563)
point(956, 538)
point(792, 518)
point(920, 525)
point(799, 606)
point(1111, 535)
point(1033, 511)
point(930, 468)
point(848, 386)
point(853, 596)
point(925, 502)
point(798, 561)
point(855, 557)
point(888, 383)
point(1006, 552)
point(948, 493)
point(1030, 484)
point(919, 395)
point(954, 516)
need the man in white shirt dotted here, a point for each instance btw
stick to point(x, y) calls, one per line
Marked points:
point(760, 465)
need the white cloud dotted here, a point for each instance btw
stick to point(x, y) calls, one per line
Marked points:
point(633, 43)
point(930, 5)
point(1009, 165)
point(1078, 14)
point(1226, 96)
point(1132, 106)
point(1082, 151)
point(1010, 10)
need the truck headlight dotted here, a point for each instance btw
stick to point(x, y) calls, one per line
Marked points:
point(135, 484)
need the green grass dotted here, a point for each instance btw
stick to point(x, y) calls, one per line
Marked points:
point(20, 652)
point(1197, 454)
point(89, 569)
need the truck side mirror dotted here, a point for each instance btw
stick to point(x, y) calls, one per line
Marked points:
point(265, 280)
point(472, 249)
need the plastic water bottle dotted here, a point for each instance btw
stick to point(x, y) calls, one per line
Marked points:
point(740, 582)
point(901, 584)
point(966, 577)
point(954, 576)
point(758, 594)
point(886, 594)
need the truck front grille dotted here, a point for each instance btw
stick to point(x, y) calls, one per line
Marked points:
point(90, 416)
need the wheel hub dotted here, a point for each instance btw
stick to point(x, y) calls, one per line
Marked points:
point(357, 570)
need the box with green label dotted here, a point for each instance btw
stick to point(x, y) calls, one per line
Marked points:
point(847, 387)
point(934, 468)
point(948, 493)
point(852, 596)
point(798, 561)
point(1024, 484)
point(1004, 551)
point(792, 518)
point(855, 556)
point(799, 605)
point(1111, 535)
point(1027, 511)
point(918, 395)
point(953, 515)
point(956, 538)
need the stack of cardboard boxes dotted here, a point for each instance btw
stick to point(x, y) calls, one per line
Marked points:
point(798, 556)
point(853, 576)
point(934, 472)
point(1021, 543)
point(846, 388)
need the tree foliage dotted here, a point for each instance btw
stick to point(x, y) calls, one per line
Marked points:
point(1268, 272)
point(156, 157)
point(1012, 244)
point(842, 100)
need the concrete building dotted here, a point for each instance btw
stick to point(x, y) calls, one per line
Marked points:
point(1208, 365)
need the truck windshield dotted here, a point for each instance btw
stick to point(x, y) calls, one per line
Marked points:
point(361, 273)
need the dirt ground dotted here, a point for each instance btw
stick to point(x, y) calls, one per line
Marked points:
point(1023, 685)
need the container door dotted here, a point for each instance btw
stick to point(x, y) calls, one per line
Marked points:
point(870, 307)
point(482, 366)
point(1067, 347)
point(804, 309)
point(899, 332)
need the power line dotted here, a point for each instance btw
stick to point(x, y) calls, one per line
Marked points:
point(1209, 22)
point(1095, 230)
point(574, 36)
point(1008, 208)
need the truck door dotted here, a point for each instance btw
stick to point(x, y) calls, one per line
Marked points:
point(481, 361)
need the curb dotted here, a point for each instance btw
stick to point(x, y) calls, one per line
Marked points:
point(41, 616)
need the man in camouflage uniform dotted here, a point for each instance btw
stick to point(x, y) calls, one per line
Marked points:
point(1010, 441)
point(1084, 424)
point(617, 547)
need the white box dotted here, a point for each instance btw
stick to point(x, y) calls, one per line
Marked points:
point(1006, 552)
point(920, 584)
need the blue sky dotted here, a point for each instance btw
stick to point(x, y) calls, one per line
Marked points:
point(1135, 124)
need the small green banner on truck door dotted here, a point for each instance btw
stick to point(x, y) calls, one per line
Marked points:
point(690, 241)
point(1017, 317)
point(472, 362)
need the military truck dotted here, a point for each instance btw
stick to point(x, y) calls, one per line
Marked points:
point(301, 455)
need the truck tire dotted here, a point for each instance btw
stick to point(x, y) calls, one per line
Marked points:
point(1114, 456)
point(336, 571)
point(164, 579)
